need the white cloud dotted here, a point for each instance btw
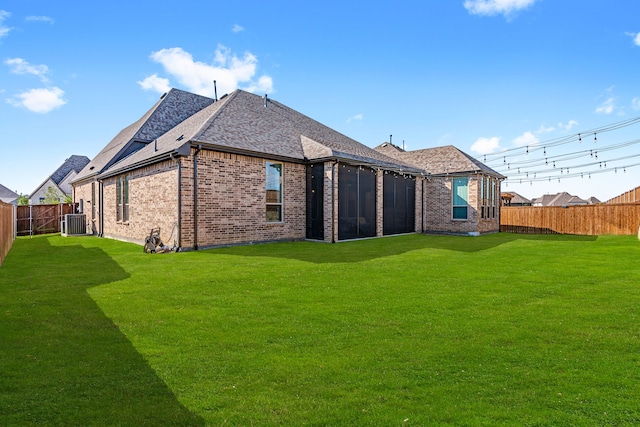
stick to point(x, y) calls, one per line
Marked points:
point(20, 66)
point(526, 139)
point(3, 29)
point(569, 125)
point(229, 71)
point(494, 7)
point(635, 37)
point(486, 145)
point(263, 85)
point(607, 106)
point(153, 82)
point(40, 100)
point(46, 19)
point(237, 28)
point(357, 117)
point(635, 103)
point(545, 129)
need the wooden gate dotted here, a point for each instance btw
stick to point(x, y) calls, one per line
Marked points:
point(42, 219)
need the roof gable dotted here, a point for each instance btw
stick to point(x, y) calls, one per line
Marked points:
point(172, 108)
point(7, 195)
point(73, 163)
point(439, 160)
point(517, 199)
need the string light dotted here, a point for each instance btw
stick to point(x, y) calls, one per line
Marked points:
point(541, 164)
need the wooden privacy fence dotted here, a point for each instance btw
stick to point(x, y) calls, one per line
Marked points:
point(41, 219)
point(592, 220)
point(6, 229)
point(630, 196)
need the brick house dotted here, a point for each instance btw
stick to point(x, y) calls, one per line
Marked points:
point(463, 194)
point(246, 169)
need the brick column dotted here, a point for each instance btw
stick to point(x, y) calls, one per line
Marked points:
point(379, 203)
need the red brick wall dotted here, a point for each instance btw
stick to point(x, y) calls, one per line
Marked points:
point(330, 205)
point(232, 201)
point(82, 195)
point(438, 209)
point(153, 202)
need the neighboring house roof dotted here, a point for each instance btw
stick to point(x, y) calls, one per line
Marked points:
point(593, 200)
point(73, 164)
point(559, 199)
point(248, 124)
point(171, 109)
point(517, 199)
point(439, 160)
point(8, 196)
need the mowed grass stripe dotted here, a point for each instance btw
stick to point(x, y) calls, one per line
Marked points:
point(420, 330)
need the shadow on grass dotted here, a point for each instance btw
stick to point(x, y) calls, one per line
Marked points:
point(369, 249)
point(62, 361)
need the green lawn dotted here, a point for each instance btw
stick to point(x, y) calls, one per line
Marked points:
point(412, 330)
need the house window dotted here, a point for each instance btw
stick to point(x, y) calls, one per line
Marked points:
point(122, 198)
point(460, 197)
point(274, 192)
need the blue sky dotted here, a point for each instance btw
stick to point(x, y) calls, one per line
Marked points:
point(483, 75)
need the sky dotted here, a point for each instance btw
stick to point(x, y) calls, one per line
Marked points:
point(531, 87)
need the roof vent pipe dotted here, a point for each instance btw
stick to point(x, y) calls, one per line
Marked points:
point(266, 101)
point(155, 145)
point(390, 138)
point(215, 91)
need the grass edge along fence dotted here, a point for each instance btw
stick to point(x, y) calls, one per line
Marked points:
point(590, 220)
point(7, 230)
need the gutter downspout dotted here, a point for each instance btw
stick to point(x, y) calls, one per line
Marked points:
point(101, 207)
point(179, 202)
point(424, 202)
point(333, 201)
point(195, 197)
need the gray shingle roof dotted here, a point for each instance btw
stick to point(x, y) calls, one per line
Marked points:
point(517, 199)
point(73, 163)
point(170, 110)
point(439, 160)
point(7, 195)
point(559, 199)
point(241, 123)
